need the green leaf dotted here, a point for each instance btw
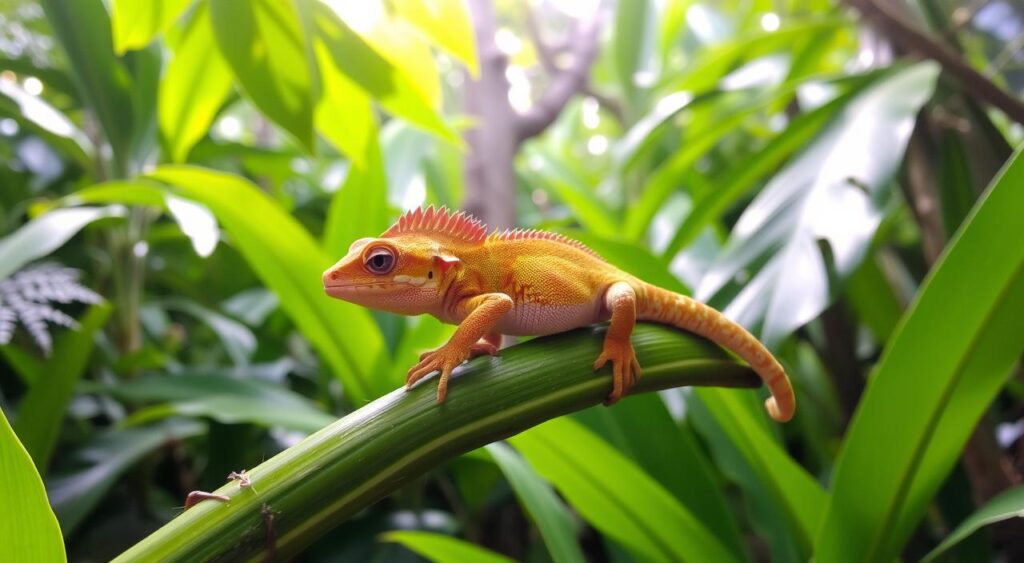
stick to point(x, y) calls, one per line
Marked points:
point(718, 61)
point(376, 76)
point(230, 400)
point(99, 463)
point(799, 496)
point(400, 45)
point(632, 42)
point(46, 121)
point(360, 206)
point(616, 496)
point(642, 428)
point(444, 549)
point(1006, 505)
point(137, 22)
point(539, 500)
point(543, 169)
point(739, 180)
point(339, 471)
point(290, 262)
point(825, 197)
point(345, 116)
point(83, 29)
point(47, 233)
point(41, 412)
point(195, 85)
point(447, 24)
point(938, 375)
point(239, 342)
point(27, 525)
point(264, 43)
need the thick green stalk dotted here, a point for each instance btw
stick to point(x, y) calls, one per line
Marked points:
point(307, 490)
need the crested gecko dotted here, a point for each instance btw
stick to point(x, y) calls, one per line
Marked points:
point(525, 282)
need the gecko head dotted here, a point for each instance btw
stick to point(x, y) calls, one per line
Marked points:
point(401, 275)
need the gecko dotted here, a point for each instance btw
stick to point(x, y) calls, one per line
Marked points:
point(525, 283)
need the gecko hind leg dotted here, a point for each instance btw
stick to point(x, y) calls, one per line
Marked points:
point(620, 299)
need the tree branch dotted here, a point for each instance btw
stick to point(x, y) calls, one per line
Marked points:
point(909, 37)
point(565, 82)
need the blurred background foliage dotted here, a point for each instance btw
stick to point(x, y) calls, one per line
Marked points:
point(176, 174)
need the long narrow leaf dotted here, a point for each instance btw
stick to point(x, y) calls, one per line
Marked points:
point(42, 411)
point(617, 497)
point(539, 500)
point(290, 262)
point(951, 355)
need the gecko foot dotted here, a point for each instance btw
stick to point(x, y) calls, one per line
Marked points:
point(445, 359)
point(625, 367)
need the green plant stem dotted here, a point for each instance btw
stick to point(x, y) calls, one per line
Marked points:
point(305, 491)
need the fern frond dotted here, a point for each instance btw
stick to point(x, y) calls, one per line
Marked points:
point(27, 298)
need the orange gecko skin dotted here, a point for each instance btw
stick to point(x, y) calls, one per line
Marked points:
point(524, 282)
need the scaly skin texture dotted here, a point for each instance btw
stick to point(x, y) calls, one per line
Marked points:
point(524, 283)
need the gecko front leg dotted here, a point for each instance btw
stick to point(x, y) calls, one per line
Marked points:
point(482, 313)
point(620, 299)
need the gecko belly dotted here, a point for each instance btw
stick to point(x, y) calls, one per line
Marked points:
point(534, 319)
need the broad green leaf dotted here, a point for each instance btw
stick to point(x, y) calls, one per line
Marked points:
point(444, 549)
point(829, 196)
point(136, 22)
point(799, 497)
point(360, 206)
point(375, 75)
point(196, 222)
point(28, 528)
point(739, 180)
point(194, 86)
point(400, 45)
point(46, 121)
point(97, 465)
point(47, 233)
point(447, 24)
point(230, 400)
point(290, 262)
point(615, 495)
point(83, 29)
point(41, 412)
point(952, 359)
point(1008, 504)
point(345, 115)
point(539, 500)
point(265, 44)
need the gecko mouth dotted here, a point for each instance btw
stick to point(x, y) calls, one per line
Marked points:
point(347, 289)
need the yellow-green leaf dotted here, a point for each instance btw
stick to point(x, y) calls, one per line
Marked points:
point(194, 86)
point(136, 22)
point(265, 45)
point(28, 528)
point(447, 24)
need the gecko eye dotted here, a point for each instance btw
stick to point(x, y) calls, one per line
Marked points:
point(380, 261)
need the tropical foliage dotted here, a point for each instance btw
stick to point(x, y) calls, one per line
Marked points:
point(843, 178)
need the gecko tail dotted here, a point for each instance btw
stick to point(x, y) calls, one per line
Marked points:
point(663, 306)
